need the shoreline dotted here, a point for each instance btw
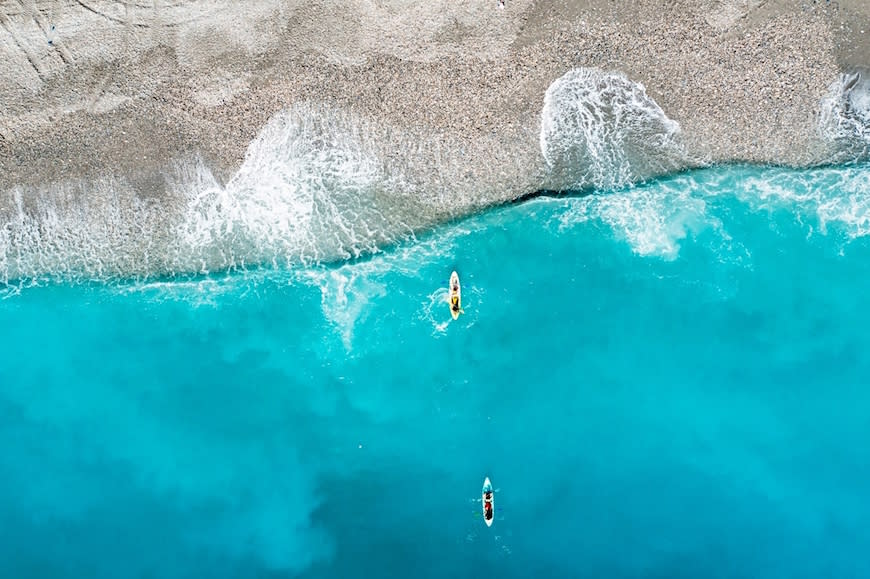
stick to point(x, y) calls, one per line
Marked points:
point(110, 275)
point(264, 271)
point(134, 126)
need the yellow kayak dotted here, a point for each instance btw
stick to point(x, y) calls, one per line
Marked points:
point(455, 296)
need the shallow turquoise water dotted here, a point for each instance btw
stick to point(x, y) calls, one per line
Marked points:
point(668, 381)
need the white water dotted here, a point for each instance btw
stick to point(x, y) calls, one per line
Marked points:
point(310, 189)
point(655, 218)
point(314, 187)
point(845, 117)
point(652, 220)
point(305, 192)
point(599, 129)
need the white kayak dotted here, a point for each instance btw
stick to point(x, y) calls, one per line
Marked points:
point(488, 502)
point(455, 296)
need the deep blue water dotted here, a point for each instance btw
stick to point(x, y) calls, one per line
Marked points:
point(667, 381)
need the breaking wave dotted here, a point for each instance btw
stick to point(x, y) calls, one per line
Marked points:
point(320, 184)
point(306, 192)
point(822, 199)
point(310, 189)
point(599, 129)
point(845, 117)
point(654, 219)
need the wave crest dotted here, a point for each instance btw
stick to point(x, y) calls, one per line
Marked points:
point(845, 117)
point(308, 190)
point(311, 188)
point(599, 129)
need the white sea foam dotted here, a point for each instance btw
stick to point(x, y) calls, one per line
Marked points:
point(599, 129)
point(349, 290)
point(653, 220)
point(305, 192)
point(313, 188)
point(102, 232)
point(310, 189)
point(821, 197)
point(346, 296)
point(845, 117)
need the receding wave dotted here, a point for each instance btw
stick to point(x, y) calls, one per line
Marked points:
point(653, 220)
point(824, 199)
point(656, 218)
point(311, 188)
point(95, 229)
point(308, 190)
point(320, 184)
point(845, 117)
point(599, 129)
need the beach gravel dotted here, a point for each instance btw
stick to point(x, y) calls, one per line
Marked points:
point(104, 88)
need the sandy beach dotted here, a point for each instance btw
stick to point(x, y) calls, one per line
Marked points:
point(99, 88)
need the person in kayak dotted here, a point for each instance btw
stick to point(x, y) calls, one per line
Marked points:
point(454, 299)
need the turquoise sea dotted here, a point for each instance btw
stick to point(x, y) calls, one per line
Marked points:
point(667, 380)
